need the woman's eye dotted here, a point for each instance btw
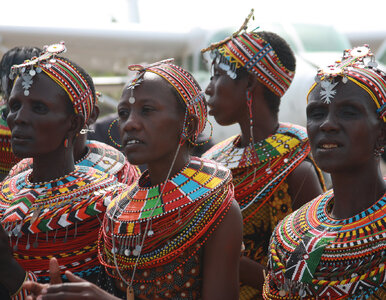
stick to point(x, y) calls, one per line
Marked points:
point(316, 113)
point(14, 106)
point(123, 113)
point(40, 108)
point(147, 109)
point(349, 112)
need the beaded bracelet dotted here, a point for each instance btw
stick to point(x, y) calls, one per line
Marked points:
point(21, 286)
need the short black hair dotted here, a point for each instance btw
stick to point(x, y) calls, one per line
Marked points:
point(14, 56)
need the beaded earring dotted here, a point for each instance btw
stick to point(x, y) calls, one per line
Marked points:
point(379, 151)
point(66, 143)
point(204, 142)
point(109, 134)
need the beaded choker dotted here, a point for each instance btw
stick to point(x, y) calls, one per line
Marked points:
point(99, 156)
point(257, 172)
point(192, 203)
point(313, 255)
point(34, 208)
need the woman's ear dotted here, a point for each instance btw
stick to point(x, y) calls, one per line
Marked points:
point(76, 125)
point(252, 82)
point(94, 115)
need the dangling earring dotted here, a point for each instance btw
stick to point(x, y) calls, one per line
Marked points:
point(109, 134)
point(249, 103)
point(379, 151)
point(66, 143)
point(184, 133)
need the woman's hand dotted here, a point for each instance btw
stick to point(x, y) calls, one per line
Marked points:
point(77, 288)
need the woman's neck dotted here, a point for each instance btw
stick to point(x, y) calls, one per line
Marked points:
point(261, 130)
point(354, 192)
point(53, 165)
point(164, 169)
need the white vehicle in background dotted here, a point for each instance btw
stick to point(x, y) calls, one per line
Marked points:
point(381, 56)
point(105, 51)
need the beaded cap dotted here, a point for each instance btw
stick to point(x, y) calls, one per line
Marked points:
point(62, 72)
point(183, 82)
point(357, 65)
point(257, 56)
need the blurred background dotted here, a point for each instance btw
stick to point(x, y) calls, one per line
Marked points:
point(106, 36)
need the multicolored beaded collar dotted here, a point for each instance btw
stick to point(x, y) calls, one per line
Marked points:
point(192, 204)
point(264, 167)
point(250, 51)
point(60, 218)
point(62, 72)
point(357, 65)
point(99, 156)
point(32, 208)
point(313, 255)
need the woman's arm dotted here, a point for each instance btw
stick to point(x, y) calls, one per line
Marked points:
point(221, 258)
point(12, 275)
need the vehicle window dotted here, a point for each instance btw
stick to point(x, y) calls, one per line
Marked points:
point(321, 38)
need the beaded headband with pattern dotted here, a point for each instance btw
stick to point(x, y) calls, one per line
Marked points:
point(357, 65)
point(183, 83)
point(257, 56)
point(62, 72)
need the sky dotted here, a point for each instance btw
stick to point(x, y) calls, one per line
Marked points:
point(208, 14)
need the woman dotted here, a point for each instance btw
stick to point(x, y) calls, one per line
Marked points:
point(334, 246)
point(270, 163)
point(176, 234)
point(55, 208)
point(14, 56)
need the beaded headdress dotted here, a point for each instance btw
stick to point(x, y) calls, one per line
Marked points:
point(357, 65)
point(183, 83)
point(62, 72)
point(254, 54)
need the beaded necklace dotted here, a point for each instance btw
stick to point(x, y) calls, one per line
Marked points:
point(313, 255)
point(192, 203)
point(99, 156)
point(258, 172)
point(58, 218)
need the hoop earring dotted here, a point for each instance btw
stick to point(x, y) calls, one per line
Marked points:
point(204, 142)
point(109, 134)
point(66, 143)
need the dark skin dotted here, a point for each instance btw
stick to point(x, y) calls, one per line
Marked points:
point(80, 147)
point(343, 136)
point(150, 132)
point(39, 124)
point(228, 104)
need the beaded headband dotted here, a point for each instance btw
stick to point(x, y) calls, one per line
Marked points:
point(182, 82)
point(250, 51)
point(62, 72)
point(357, 65)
